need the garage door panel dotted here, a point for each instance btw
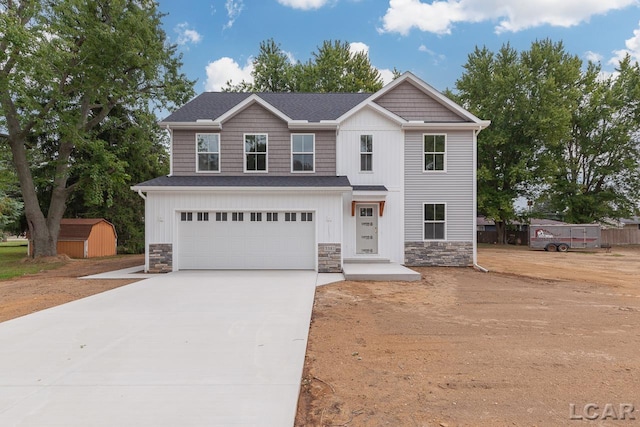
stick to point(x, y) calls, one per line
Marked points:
point(246, 244)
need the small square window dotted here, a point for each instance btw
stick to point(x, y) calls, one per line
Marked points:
point(290, 216)
point(256, 216)
point(366, 212)
point(272, 216)
point(306, 216)
point(186, 216)
point(237, 216)
point(203, 216)
point(221, 216)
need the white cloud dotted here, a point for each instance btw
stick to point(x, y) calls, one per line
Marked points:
point(304, 4)
point(186, 34)
point(225, 69)
point(423, 48)
point(439, 16)
point(386, 74)
point(632, 49)
point(234, 9)
point(593, 56)
point(357, 47)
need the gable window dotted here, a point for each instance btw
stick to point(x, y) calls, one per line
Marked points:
point(434, 221)
point(255, 152)
point(208, 146)
point(434, 152)
point(302, 153)
point(366, 153)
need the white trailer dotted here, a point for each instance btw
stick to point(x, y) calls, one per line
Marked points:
point(563, 237)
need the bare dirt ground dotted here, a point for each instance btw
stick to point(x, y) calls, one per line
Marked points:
point(34, 292)
point(516, 346)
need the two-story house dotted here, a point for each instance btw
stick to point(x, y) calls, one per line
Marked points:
point(314, 180)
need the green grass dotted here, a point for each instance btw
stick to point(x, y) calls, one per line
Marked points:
point(12, 263)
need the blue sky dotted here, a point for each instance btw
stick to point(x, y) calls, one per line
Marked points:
point(432, 39)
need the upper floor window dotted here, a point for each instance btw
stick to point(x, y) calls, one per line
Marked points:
point(366, 153)
point(434, 221)
point(302, 153)
point(255, 152)
point(434, 152)
point(208, 146)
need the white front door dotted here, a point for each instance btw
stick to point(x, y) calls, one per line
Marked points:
point(366, 229)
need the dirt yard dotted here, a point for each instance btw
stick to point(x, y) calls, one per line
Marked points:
point(516, 346)
point(36, 292)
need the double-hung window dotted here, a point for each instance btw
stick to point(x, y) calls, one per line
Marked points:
point(366, 153)
point(255, 152)
point(208, 147)
point(434, 147)
point(434, 221)
point(302, 153)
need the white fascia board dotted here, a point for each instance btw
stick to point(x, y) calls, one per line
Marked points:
point(169, 189)
point(247, 102)
point(417, 125)
point(200, 124)
point(381, 195)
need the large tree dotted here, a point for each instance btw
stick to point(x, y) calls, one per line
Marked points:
point(332, 68)
point(529, 98)
point(64, 66)
point(597, 175)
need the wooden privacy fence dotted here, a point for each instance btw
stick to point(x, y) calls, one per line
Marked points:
point(621, 236)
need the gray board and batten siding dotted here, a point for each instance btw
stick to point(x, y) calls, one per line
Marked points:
point(253, 119)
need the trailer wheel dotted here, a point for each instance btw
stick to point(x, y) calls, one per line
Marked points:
point(563, 247)
point(551, 247)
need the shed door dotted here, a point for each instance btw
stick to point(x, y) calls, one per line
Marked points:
point(246, 240)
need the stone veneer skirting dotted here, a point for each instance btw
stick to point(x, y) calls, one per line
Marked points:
point(160, 257)
point(329, 258)
point(438, 254)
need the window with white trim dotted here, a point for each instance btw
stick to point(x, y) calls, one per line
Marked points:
point(306, 216)
point(434, 147)
point(255, 152)
point(366, 153)
point(203, 216)
point(237, 216)
point(186, 216)
point(434, 221)
point(290, 216)
point(272, 216)
point(208, 148)
point(303, 152)
point(221, 216)
point(256, 216)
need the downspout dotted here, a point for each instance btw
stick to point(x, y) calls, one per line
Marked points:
point(142, 195)
point(475, 202)
point(146, 243)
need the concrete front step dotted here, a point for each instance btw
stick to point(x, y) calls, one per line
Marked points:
point(379, 272)
point(367, 260)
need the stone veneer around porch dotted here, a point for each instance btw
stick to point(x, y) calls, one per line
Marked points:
point(329, 258)
point(438, 254)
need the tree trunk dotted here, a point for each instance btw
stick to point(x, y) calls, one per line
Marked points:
point(43, 231)
point(501, 229)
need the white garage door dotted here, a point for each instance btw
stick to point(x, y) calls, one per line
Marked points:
point(246, 240)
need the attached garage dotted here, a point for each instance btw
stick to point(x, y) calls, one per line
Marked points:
point(246, 240)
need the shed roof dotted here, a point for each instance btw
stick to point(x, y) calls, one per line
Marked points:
point(78, 228)
point(309, 181)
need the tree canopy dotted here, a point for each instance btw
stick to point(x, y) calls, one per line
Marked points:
point(332, 68)
point(559, 134)
point(64, 67)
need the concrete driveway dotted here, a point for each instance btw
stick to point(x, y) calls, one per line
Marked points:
point(192, 348)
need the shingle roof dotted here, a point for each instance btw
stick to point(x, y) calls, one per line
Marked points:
point(369, 188)
point(313, 107)
point(78, 228)
point(247, 181)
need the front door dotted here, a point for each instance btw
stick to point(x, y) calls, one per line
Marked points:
point(366, 229)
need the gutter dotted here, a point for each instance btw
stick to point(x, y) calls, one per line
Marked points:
point(480, 268)
point(140, 194)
